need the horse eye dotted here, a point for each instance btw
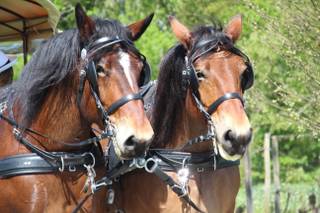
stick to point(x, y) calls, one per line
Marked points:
point(99, 69)
point(200, 74)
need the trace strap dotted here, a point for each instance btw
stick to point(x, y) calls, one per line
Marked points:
point(42, 161)
point(32, 163)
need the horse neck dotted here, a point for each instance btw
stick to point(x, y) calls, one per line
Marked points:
point(61, 122)
point(190, 125)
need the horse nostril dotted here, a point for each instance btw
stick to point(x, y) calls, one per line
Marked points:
point(130, 142)
point(229, 136)
point(135, 146)
point(234, 139)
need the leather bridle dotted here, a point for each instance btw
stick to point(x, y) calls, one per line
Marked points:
point(89, 73)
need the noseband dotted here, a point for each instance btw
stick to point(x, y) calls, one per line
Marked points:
point(89, 73)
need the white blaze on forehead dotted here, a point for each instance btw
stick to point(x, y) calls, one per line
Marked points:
point(125, 63)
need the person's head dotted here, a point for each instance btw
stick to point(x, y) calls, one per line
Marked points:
point(6, 70)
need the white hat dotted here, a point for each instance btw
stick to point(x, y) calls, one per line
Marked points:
point(6, 62)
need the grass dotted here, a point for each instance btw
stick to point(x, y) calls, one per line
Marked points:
point(298, 197)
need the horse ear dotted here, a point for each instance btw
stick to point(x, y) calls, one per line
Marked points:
point(182, 33)
point(137, 29)
point(234, 28)
point(85, 24)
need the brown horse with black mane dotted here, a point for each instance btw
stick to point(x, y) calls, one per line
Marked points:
point(201, 127)
point(85, 76)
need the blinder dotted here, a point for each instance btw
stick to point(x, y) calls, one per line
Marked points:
point(247, 78)
point(145, 76)
point(93, 77)
point(106, 42)
point(190, 77)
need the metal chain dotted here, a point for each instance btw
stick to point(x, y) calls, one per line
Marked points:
point(3, 107)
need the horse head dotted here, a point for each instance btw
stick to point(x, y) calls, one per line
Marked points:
point(113, 70)
point(217, 75)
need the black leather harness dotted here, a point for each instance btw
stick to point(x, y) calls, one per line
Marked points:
point(41, 161)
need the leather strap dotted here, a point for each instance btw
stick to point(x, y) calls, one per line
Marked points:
point(32, 163)
point(232, 95)
point(172, 160)
point(145, 88)
point(122, 101)
point(176, 188)
point(82, 201)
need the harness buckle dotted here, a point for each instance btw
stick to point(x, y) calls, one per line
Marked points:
point(72, 168)
point(16, 132)
point(110, 196)
point(200, 169)
point(151, 165)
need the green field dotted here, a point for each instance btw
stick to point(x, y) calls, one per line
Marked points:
point(298, 198)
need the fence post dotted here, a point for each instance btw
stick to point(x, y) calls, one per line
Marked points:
point(248, 181)
point(267, 172)
point(276, 173)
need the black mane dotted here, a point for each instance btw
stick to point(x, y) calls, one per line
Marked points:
point(170, 94)
point(53, 65)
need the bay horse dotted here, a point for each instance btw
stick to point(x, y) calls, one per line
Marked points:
point(90, 75)
point(201, 127)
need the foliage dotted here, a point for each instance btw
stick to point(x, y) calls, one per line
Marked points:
point(293, 197)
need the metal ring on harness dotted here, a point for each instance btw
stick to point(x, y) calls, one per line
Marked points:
point(93, 160)
point(138, 163)
point(61, 169)
point(184, 192)
point(151, 165)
